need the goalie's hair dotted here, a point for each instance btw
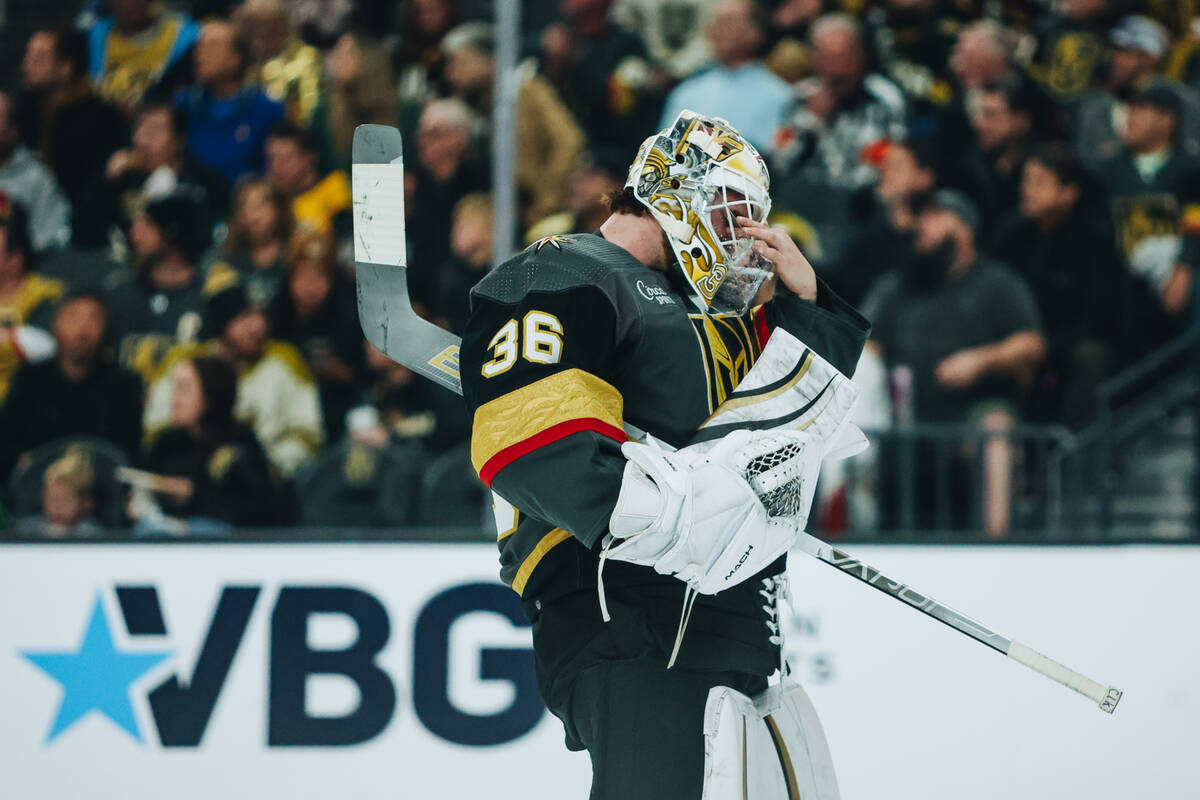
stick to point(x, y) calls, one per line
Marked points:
point(624, 201)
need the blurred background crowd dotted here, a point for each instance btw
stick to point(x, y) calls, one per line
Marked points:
point(1009, 189)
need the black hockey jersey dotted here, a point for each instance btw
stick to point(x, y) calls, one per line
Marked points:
point(567, 343)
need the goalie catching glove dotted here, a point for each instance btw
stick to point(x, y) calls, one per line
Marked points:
point(715, 513)
point(714, 516)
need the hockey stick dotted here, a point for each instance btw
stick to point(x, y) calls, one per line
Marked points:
point(380, 263)
point(1106, 697)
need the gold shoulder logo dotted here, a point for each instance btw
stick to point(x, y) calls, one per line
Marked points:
point(557, 241)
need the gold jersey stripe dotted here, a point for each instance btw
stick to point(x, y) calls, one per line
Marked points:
point(547, 543)
point(525, 412)
point(785, 759)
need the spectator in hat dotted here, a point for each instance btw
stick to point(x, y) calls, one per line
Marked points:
point(318, 202)
point(131, 51)
point(738, 86)
point(26, 298)
point(548, 137)
point(1059, 240)
point(276, 393)
point(968, 329)
point(215, 472)
point(256, 242)
point(156, 165)
point(907, 175)
point(70, 127)
point(159, 304)
point(227, 120)
point(80, 391)
point(1140, 47)
point(29, 183)
point(1153, 183)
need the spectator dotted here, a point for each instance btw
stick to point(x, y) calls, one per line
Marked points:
point(227, 120)
point(425, 24)
point(788, 53)
point(738, 86)
point(1139, 49)
point(1152, 184)
point(1070, 48)
point(674, 34)
point(968, 330)
point(68, 502)
point(132, 50)
point(602, 73)
point(71, 128)
point(907, 174)
point(913, 40)
point(26, 298)
point(318, 313)
point(288, 70)
point(259, 231)
point(1060, 242)
point(413, 408)
point(154, 167)
point(360, 88)
point(276, 393)
point(443, 174)
point(596, 174)
point(216, 473)
point(548, 139)
point(839, 111)
point(982, 54)
point(472, 251)
point(317, 202)
point(160, 303)
point(30, 184)
point(78, 392)
point(990, 173)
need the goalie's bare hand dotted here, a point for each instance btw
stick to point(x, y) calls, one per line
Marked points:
point(776, 246)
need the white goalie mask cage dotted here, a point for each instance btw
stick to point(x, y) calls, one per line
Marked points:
point(696, 177)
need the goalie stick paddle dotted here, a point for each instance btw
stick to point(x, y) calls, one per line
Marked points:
point(1106, 697)
point(380, 264)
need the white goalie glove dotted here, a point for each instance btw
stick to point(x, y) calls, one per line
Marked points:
point(699, 513)
point(715, 513)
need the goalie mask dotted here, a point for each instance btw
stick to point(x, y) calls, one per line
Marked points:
point(697, 177)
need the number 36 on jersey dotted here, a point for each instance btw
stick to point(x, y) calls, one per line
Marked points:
point(536, 338)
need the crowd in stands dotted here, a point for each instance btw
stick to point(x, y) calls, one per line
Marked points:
point(1010, 191)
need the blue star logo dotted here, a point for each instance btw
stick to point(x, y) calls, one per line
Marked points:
point(96, 676)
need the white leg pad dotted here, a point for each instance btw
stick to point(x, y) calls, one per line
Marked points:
point(768, 748)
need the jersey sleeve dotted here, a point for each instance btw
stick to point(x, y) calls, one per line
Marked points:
point(547, 420)
point(830, 326)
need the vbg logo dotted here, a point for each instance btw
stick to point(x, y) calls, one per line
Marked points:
point(100, 676)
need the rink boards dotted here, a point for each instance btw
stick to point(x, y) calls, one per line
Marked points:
point(404, 670)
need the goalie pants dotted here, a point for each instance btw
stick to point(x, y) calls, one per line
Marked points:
point(642, 725)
